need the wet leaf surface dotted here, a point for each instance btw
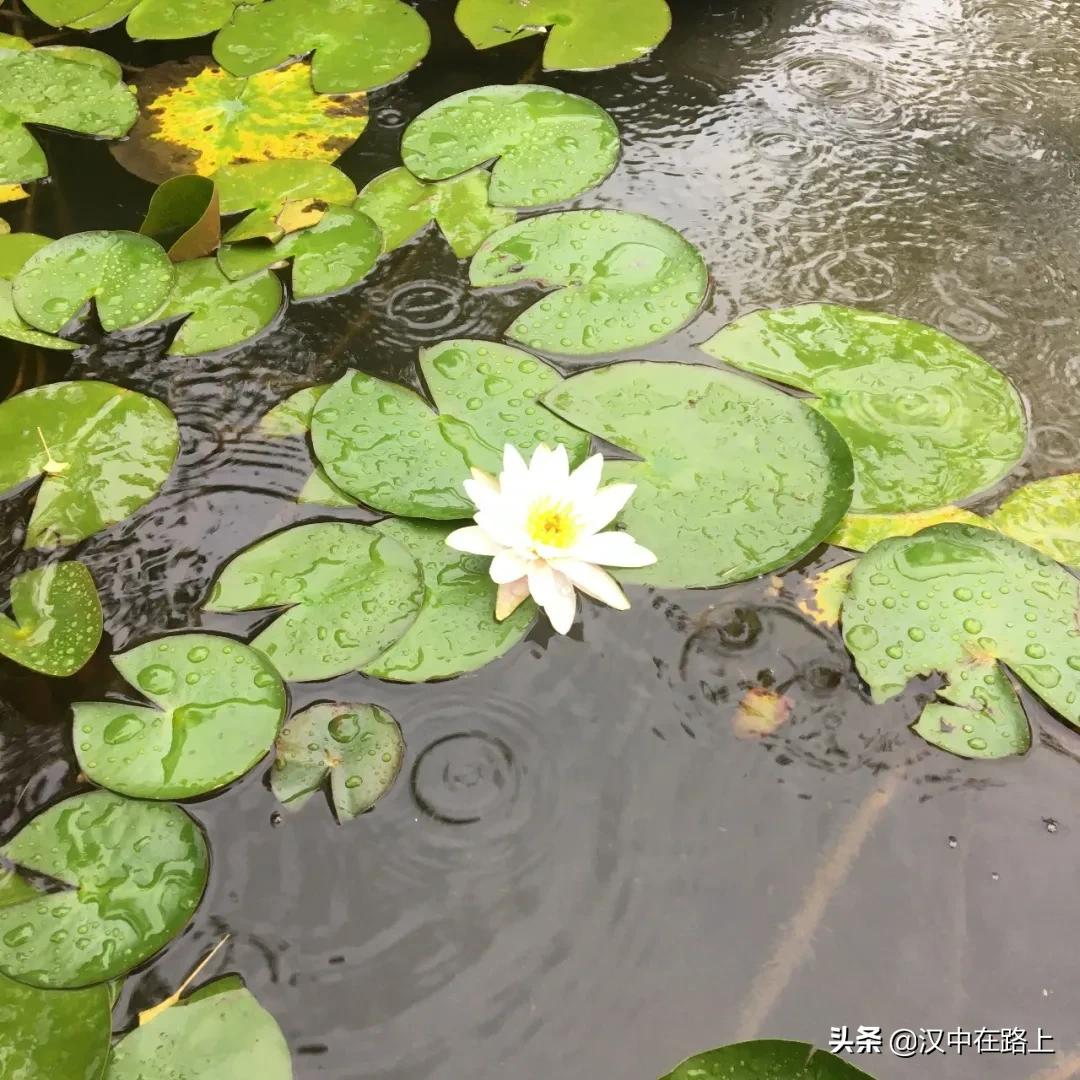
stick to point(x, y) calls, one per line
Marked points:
point(1045, 515)
point(293, 415)
point(155, 19)
point(766, 1059)
point(56, 620)
point(359, 747)
point(928, 421)
point(860, 532)
point(620, 280)
point(184, 217)
point(103, 452)
point(550, 146)
point(736, 479)
point(135, 873)
point(825, 592)
point(381, 443)
point(217, 707)
point(350, 593)
point(15, 249)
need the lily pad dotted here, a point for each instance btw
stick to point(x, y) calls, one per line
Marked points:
point(319, 490)
point(293, 415)
point(824, 593)
point(860, 532)
point(357, 44)
point(1045, 515)
point(196, 118)
point(78, 90)
point(219, 1031)
point(103, 451)
point(620, 280)
point(349, 591)
point(57, 622)
point(184, 217)
point(383, 444)
point(456, 631)
point(550, 146)
point(766, 1059)
point(53, 1034)
point(957, 599)
point(15, 249)
point(360, 747)
point(221, 313)
point(737, 479)
point(156, 19)
point(217, 707)
point(130, 875)
point(128, 276)
point(402, 206)
point(583, 35)
point(928, 421)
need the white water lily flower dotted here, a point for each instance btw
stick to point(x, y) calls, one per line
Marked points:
point(542, 526)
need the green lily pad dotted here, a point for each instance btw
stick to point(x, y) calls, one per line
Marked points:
point(217, 707)
point(766, 1059)
point(860, 532)
point(402, 206)
point(620, 280)
point(550, 146)
point(15, 249)
point(360, 747)
point(221, 313)
point(928, 421)
point(184, 217)
point(153, 19)
point(319, 490)
point(456, 631)
point(219, 1031)
point(329, 257)
point(57, 619)
point(737, 479)
point(1045, 515)
point(956, 599)
point(78, 90)
point(350, 593)
point(53, 1034)
point(385, 446)
point(357, 44)
point(132, 874)
point(293, 415)
point(128, 276)
point(584, 34)
point(103, 451)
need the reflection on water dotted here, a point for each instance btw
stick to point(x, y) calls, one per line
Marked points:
point(582, 871)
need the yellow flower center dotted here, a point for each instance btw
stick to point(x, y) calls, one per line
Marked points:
point(551, 524)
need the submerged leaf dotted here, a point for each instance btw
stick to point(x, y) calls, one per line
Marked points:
point(766, 1059)
point(620, 280)
point(184, 217)
point(761, 712)
point(1045, 515)
point(15, 249)
point(860, 532)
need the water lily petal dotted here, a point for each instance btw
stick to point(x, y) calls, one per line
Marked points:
point(550, 469)
point(474, 541)
point(605, 504)
point(507, 567)
point(554, 593)
point(515, 473)
point(511, 595)
point(585, 479)
point(484, 496)
point(612, 549)
point(589, 578)
point(503, 528)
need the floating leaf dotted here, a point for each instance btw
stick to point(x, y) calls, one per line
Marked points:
point(401, 206)
point(217, 708)
point(1045, 515)
point(825, 592)
point(860, 532)
point(383, 444)
point(360, 747)
point(78, 90)
point(293, 415)
point(12, 193)
point(222, 313)
point(956, 599)
point(456, 630)
point(760, 712)
point(357, 44)
point(928, 421)
point(132, 874)
point(196, 118)
point(737, 479)
point(184, 217)
point(104, 452)
point(57, 619)
point(128, 276)
point(766, 1059)
point(15, 249)
point(156, 19)
point(53, 1034)
point(621, 280)
point(550, 146)
point(319, 490)
point(584, 34)
point(350, 593)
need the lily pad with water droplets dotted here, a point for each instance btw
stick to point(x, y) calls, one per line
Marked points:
point(56, 624)
point(293, 415)
point(349, 591)
point(103, 452)
point(217, 707)
point(383, 444)
point(456, 631)
point(15, 249)
point(766, 1059)
point(357, 44)
point(619, 280)
point(127, 276)
point(184, 217)
point(549, 145)
point(737, 479)
point(360, 748)
point(957, 599)
point(860, 532)
point(126, 877)
point(155, 19)
point(1045, 514)
point(928, 421)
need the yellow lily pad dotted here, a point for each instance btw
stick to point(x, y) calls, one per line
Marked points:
point(860, 532)
point(12, 192)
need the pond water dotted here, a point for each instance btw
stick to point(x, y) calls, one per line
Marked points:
point(581, 871)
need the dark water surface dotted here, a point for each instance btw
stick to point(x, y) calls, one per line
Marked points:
point(581, 872)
